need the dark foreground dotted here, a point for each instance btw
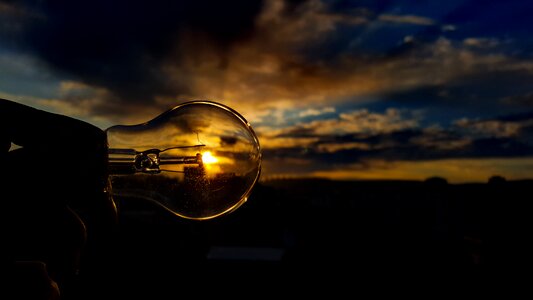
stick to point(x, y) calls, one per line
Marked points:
point(307, 236)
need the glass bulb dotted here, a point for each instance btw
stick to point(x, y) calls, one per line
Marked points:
point(198, 160)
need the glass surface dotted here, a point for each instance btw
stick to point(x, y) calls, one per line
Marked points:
point(199, 160)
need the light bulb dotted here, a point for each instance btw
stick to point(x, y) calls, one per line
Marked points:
point(198, 160)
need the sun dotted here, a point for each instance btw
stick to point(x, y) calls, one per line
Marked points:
point(208, 158)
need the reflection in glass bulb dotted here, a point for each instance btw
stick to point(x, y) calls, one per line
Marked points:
point(208, 158)
point(198, 160)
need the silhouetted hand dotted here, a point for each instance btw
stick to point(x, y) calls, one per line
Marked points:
point(54, 201)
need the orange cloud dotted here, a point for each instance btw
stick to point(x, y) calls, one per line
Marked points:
point(493, 128)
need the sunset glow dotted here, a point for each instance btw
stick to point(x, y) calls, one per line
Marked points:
point(208, 158)
point(329, 87)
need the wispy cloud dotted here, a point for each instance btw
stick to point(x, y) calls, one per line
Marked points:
point(481, 42)
point(525, 100)
point(492, 128)
point(355, 122)
point(406, 19)
point(313, 112)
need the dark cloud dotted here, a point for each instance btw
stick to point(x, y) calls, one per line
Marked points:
point(397, 151)
point(524, 116)
point(124, 45)
point(502, 137)
point(519, 100)
point(228, 140)
point(479, 92)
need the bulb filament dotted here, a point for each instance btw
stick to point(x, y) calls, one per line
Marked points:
point(130, 161)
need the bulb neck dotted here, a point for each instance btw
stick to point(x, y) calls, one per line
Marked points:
point(130, 161)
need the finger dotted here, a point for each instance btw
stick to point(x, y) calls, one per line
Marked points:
point(55, 237)
point(30, 127)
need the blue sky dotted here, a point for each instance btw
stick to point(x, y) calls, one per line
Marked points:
point(336, 89)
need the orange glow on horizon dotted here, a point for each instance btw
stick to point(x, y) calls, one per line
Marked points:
point(454, 170)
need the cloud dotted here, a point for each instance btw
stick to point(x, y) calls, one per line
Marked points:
point(481, 42)
point(256, 79)
point(492, 128)
point(313, 112)
point(335, 147)
point(147, 62)
point(124, 46)
point(269, 142)
point(358, 131)
point(519, 100)
point(360, 121)
point(440, 140)
point(267, 59)
point(395, 136)
point(406, 19)
point(448, 27)
point(96, 105)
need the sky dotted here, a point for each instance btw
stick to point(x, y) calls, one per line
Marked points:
point(334, 89)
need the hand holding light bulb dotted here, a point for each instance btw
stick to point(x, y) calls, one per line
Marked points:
point(53, 199)
point(198, 160)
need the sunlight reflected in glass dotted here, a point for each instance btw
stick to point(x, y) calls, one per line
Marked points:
point(199, 160)
point(208, 158)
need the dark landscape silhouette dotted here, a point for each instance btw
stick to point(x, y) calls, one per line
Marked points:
point(377, 232)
